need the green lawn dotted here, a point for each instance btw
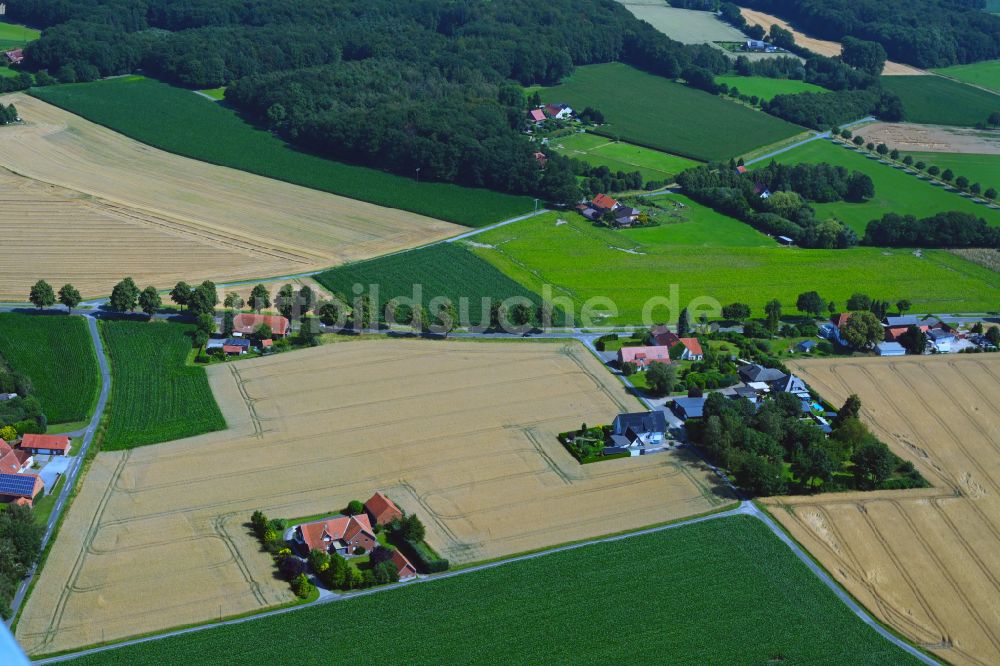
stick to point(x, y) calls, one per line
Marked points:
point(652, 111)
point(13, 36)
point(766, 88)
point(721, 258)
point(940, 101)
point(445, 269)
point(215, 93)
point(895, 190)
point(983, 169)
point(622, 156)
point(181, 122)
point(43, 506)
point(986, 73)
point(155, 397)
point(54, 351)
point(725, 591)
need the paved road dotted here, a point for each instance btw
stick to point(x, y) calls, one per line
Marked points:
point(494, 226)
point(821, 135)
point(74, 468)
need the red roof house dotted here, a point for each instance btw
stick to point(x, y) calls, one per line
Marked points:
point(603, 202)
point(406, 570)
point(56, 445)
point(14, 56)
point(20, 488)
point(10, 462)
point(839, 320)
point(541, 159)
point(692, 349)
point(536, 115)
point(381, 509)
point(643, 356)
point(741, 169)
point(247, 324)
point(337, 535)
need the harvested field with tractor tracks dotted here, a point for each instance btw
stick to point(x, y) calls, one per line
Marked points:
point(87, 205)
point(461, 433)
point(926, 562)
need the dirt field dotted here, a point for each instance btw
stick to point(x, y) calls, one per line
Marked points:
point(461, 433)
point(927, 562)
point(90, 206)
point(820, 46)
point(932, 138)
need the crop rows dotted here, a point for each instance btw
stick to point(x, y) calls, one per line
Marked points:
point(181, 122)
point(724, 591)
point(56, 353)
point(155, 397)
point(440, 270)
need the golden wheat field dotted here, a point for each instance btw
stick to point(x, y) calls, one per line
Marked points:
point(823, 47)
point(926, 562)
point(461, 433)
point(87, 205)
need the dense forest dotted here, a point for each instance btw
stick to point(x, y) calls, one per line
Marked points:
point(774, 199)
point(430, 85)
point(950, 229)
point(925, 33)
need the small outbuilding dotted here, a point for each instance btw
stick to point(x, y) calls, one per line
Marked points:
point(381, 510)
point(806, 346)
point(688, 408)
point(51, 445)
point(890, 349)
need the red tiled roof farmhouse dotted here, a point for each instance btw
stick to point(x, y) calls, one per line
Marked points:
point(381, 509)
point(643, 356)
point(50, 442)
point(317, 535)
point(693, 345)
point(9, 461)
point(537, 115)
point(249, 323)
point(406, 570)
point(604, 202)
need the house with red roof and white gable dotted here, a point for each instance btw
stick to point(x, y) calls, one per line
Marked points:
point(342, 535)
point(53, 445)
point(690, 349)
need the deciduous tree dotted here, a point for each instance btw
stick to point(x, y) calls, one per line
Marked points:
point(41, 295)
point(69, 296)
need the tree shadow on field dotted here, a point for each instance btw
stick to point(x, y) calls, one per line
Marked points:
point(713, 484)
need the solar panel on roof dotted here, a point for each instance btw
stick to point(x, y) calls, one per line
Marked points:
point(17, 484)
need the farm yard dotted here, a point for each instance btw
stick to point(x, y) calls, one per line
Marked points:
point(699, 125)
point(154, 396)
point(766, 88)
point(922, 561)
point(821, 46)
point(895, 190)
point(687, 26)
point(727, 578)
point(922, 100)
point(985, 74)
point(162, 217)
point(621, 156)
point(913, 138)
point(156, 537)
point(708, 254)
point(29, 344)
point(181, 122)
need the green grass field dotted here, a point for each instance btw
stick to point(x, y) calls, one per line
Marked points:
point(13, 36)
point(766, 88)
point(718, 257)
point(725, 591)
point(215, 93)
point(940, 101)
point(181, 122)
point(895, 190)
point(985, 74)
point(56, 353)
point(155, 397)
point(652, 111)
point(622, 156)
point(982, 169)
point(445, 269)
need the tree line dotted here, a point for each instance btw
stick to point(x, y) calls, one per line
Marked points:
point(924, 33)
point(425, 89)
point(774, 199)
point(952, 229)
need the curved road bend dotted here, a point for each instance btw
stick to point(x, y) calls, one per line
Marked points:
point(74, 469)
point(821, 135)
